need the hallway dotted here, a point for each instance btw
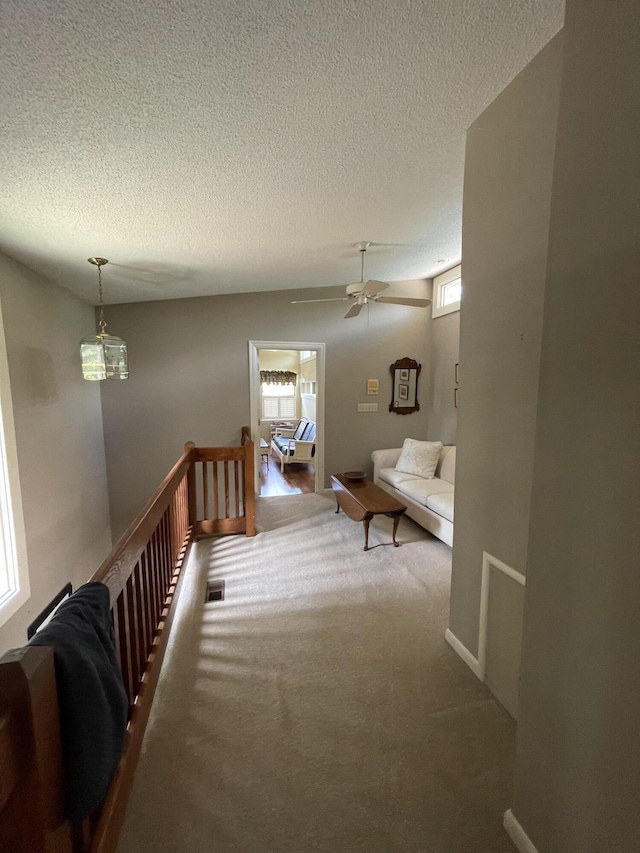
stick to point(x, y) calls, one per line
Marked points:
point(318, 708)
point(297, 479)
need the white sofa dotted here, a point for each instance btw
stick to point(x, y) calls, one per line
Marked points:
point(429, 502)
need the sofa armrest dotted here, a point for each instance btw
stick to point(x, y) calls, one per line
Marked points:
point(384, 459)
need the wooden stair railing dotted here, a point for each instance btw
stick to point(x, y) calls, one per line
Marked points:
point(222, 496)
point(209, 490)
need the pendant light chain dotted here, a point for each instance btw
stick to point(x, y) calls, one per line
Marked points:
point(103, 324)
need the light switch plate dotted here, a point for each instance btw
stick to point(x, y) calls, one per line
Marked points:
point(367, 407)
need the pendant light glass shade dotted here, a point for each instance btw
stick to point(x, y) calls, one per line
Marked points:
point(103, 356)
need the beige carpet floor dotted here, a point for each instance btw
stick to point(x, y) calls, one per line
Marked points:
point(318, 707)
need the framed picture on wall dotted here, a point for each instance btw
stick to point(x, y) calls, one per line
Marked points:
point(403, 391)
point(404, 375)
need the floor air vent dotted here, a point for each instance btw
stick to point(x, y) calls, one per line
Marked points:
point(215, 591)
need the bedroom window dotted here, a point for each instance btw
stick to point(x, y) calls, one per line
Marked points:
point(278, 401)
point(447, 290)
point(14, 578)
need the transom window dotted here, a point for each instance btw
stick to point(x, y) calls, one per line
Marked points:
point(451, 292)
point(447, 291)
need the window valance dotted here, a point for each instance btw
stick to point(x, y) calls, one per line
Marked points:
point(278, 377)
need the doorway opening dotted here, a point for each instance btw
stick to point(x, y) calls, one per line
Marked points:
point(286, 384)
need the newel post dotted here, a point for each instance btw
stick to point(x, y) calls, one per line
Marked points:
point(249, 482)
point(31, 790)
point(191, 482)
point(249, 489)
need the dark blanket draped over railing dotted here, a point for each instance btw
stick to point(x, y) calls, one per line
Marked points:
point(208, 491)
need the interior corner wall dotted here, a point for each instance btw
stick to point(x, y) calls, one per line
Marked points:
point(189, 379)
point(507, 194)
point(308, 402)
point(577, 774)
point(59, 438)
point(443, 356)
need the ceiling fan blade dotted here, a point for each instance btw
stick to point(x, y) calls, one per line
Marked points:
point(332, 299)
point(372, 287)
point(403, 300)
point(355, 309)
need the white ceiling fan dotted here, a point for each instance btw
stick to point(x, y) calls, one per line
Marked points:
point(367, 291)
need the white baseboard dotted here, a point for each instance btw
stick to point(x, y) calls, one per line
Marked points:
point(464, 653)
point(517, 834)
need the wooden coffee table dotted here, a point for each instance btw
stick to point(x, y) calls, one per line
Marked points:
point(362, 499)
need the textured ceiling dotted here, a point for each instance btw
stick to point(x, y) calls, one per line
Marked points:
point(241, 145)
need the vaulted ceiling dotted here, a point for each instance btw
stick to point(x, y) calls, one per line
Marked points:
point(215, 146)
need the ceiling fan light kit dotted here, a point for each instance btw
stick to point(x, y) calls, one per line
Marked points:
point(103, 356)
point(363, 292)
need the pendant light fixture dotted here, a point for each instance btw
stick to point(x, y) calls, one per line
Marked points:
point(103, 356)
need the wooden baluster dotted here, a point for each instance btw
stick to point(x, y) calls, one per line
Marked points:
point(166, 550)
point(184, 512)
point(226, 488)
point(116, 632)
point(216, 492)
point(123, 628)
point(171, 510)
point(175, 519)
point(172, 559)
point(205, 488)
point(185, 519)
point(153, 585)
point(236, 482)
point(162, 557)
point(140, 618)
point(144, 599)
point(176, 509)
point(180, 515)
point(161, 566)
point(162, 545)
point(134, 660)
point(157, 578)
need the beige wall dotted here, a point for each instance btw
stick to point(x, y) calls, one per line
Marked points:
point(190, 378)
point(578, 775)
point(59, 439)
point(507, 192)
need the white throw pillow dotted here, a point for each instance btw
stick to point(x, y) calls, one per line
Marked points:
point(419, 458)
